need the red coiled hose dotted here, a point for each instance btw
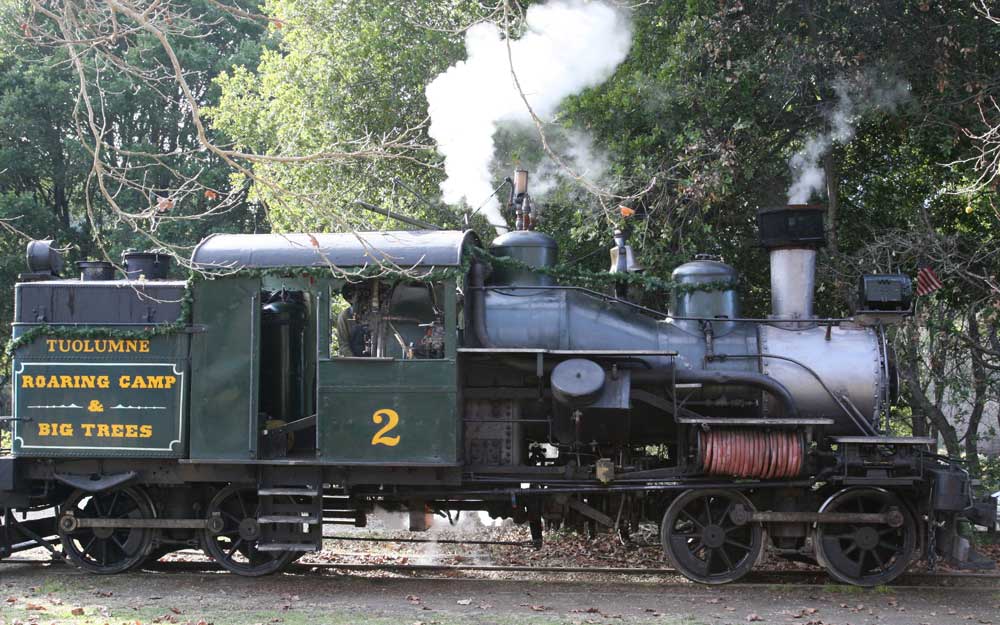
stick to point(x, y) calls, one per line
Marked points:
point(751, 453)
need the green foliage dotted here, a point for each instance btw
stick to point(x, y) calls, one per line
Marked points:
point(989, 473)
point(343, 71)
point(44, 166)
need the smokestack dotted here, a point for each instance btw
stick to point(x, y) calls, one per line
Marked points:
point(792, 234)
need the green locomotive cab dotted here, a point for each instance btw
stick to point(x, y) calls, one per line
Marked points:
point(336, 348)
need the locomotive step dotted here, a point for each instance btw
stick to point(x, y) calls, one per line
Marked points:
point(289, 491)
point(310, 519)
point(288, 547)
point(336, 501)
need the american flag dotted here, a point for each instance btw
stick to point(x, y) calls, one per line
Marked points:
point(927, 280)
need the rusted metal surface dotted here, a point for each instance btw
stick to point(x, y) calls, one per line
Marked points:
point(746, 453)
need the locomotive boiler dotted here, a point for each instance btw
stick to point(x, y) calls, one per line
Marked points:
point(298, 380)
point(792, 366)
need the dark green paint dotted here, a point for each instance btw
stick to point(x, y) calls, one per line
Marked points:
point(224, 389)
point(422, 392)
point(73, 419)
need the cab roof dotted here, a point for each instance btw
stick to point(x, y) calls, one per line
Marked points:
point(404, 248)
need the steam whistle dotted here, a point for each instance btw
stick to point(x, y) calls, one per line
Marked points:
point(520, 201)
point(622, 260)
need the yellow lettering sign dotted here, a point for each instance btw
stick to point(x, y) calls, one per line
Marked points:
point(100, 346)
point(380, 437)
point(66, 381)
point(147, 381)
point(55, 429)
point(96, 430)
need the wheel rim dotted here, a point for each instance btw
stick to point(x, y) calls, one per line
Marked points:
point(865, 554)
point(235, 545)
point(106, 550)
point(702, 541)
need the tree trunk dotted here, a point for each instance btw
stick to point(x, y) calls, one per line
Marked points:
point(918, 422)
point(979, 385)
point(908, 371)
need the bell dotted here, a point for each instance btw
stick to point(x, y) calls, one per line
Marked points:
point(623, 262)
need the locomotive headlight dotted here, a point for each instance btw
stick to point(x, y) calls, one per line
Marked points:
point(42, 258)
point(885, 292)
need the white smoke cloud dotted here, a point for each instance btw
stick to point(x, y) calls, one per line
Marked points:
point(578, 152)
point(853, 99)
point(568, 46)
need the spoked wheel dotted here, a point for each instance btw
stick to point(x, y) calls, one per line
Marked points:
point(865, 554)
point(234, 541)
point(702, 541)
point(106, 550)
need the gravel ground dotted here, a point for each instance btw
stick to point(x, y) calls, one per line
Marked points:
point(60, 594)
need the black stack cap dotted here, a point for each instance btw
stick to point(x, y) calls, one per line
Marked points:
point(793, 225)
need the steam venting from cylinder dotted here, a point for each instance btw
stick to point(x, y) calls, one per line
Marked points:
point(792, 234)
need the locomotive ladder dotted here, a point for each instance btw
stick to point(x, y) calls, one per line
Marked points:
point(291, 508)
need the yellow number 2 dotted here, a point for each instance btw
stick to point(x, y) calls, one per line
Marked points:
point(380, 437)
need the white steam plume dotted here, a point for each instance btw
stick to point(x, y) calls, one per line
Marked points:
point(577, 151)
point(854, 98)
point(568, 46)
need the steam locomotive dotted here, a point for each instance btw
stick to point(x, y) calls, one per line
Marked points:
point(304, 379)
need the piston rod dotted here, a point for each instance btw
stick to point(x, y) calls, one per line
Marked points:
point(741, 516)
point(68, 522)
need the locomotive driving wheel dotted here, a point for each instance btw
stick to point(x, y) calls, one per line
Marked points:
point(106, 550)
point(233, 540)
point(865, 554)
point(701, 540)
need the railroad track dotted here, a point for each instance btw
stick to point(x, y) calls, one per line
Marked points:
point(756, 577)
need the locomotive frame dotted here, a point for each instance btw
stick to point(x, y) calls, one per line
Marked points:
point(448, 393)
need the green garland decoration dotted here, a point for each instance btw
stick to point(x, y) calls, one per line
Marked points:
point(434, 274)
point(562, 273)
point(567, 274)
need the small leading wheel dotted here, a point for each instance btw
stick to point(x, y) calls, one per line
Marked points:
point(701, 540)
point(106, 550)
point(865, 554)
point(233, 543)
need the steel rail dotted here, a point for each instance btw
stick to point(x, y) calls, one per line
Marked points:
point(446, 541)
point(204, 564)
